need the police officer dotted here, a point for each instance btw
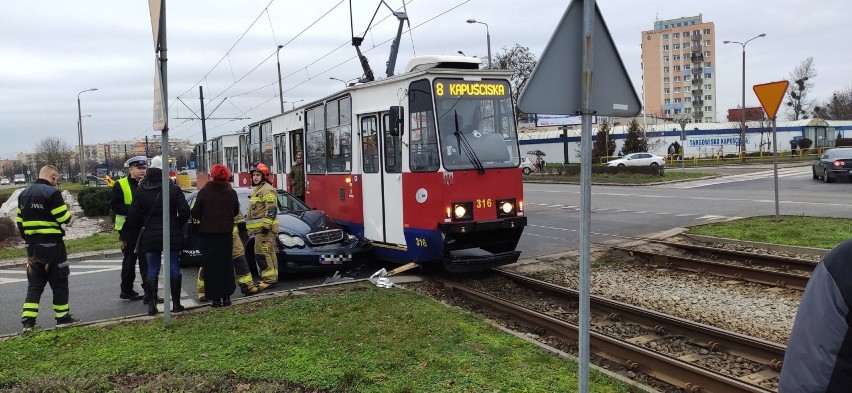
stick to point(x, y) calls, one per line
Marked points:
point(41, 211)
point(262, 222)
point(122, 197)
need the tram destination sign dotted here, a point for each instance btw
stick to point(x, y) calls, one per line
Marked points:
point(460, 88)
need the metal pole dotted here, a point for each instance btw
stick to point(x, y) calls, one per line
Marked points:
point(488, 39)
point(280, 89)
point(775, 165)
point(166, 266)
point(80, 136)
point(586, 194)
point(203, 117)
point(742, 114)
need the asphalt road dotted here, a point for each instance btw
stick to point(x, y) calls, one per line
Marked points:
point(618, 212)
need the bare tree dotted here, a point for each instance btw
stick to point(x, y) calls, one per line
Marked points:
point(839, 107)
point(522, 61)
point(53, 151)
point(801, 83)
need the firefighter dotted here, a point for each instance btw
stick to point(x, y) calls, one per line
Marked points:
point(41, 211)
point(241, 268)
point(122, 197)
point(262, 222)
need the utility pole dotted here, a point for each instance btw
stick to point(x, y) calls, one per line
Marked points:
point(146, 147)
point(203, 120)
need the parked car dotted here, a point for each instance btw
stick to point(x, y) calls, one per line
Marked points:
point(527, 166)
point(307, 240)
point(4, 181)
point(20, 179)
point(832, 164)
point(638, 159)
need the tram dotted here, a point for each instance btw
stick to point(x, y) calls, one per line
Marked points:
point(424, 164)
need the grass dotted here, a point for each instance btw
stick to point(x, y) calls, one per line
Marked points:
point(623, 178)
point(356, 338)
point(817, 232)
point(96, 242)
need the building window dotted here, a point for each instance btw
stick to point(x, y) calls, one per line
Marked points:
point(707, 64)
point(687, 88)
point(677, 79)
point(676, 35)
point(707, 53)
point(687, 110)
point(706, 42)
point(685, 45)
point(665, 36)
point(667, 90)
point(706, 31)
point(666, 80)
point(665, 47)
point(667, 101)
point(677, 57)
point(665, 58)
point(708, 97)
point(687, 99)
point(708, 75)
point(666, 69)
point(676, 46)
point(677, 89)
point(676, 68)
point(708, 108)
point(677, 100)
point(707, 87)
point(686, 34)
point(668, 112)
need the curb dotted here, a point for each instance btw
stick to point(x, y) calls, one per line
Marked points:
point(817, 252)
point(103, 254)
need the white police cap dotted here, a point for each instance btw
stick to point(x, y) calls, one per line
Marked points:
point(136, 161)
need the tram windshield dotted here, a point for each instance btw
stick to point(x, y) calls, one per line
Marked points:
point(476, 124)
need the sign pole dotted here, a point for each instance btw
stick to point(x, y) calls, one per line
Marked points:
point(775, 165)
point(586, 193)
point(770, 96)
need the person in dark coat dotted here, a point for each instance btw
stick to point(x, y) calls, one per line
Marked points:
point(215, 208)
point(819, 352)
point(148, 205)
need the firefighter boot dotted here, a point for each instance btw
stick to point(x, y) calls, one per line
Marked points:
point(199, 283)
point(249, 289)
point(151, 292)
point(176, 284)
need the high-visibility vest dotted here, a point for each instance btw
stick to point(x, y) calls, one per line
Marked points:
point(124, 183)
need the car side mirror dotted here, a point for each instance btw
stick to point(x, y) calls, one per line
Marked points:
point(395, 116)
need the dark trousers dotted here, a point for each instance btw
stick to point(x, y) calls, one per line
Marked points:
point(218, 265)
point(47, 265)
point(130, 259)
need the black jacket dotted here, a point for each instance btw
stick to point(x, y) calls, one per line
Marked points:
point(41, 211)
point(215, 207)
point(147, 199)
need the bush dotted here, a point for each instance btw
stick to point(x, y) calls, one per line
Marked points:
point(95, 201)
point(843, 142)
point(8, 229)
point(805, 143)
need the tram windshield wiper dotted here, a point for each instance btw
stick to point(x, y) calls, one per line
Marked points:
point(465, 146)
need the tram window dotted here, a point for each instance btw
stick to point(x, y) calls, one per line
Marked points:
point(280, 150)
point(370, 144)
point(315, 140)
point(254, 143)
point(393, 154)
point(266, 153)
point(423, 151)
point(339, 135)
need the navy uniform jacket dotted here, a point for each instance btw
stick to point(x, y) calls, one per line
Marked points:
point(41, 210)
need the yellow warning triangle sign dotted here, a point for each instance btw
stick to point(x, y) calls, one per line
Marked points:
point(770, 95)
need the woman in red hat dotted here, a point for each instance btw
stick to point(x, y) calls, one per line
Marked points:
point(215, 208)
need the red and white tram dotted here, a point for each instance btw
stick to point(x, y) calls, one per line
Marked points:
point(424, 164)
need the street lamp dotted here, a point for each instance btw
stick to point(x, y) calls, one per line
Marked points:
point(280, 89)
point(461, 53)
point(294, 103)
point(80, 134)
point(345, 83)
point(742, 109)
point(487, 36)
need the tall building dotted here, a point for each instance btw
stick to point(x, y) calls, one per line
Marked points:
point(678, 63)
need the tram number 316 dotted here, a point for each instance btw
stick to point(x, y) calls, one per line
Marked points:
point(481, 203)
point(421, 242)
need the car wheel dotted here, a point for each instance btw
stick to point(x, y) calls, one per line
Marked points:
point(825, 176)
point(620, 164)
point(527, 171)
point(814, 172)
point(654, 164)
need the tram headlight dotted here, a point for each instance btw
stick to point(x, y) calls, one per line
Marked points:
point(506, 208)
point(290, 241)
point(462, 211)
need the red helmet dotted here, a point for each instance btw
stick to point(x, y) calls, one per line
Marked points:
point(260, 167)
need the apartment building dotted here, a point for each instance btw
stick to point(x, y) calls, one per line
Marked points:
point(678, 69)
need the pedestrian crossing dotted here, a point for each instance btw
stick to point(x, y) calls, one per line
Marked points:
point(696, 216)
point(791, 172)
point(89, 266)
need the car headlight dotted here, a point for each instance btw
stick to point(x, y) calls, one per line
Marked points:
point(290, 241)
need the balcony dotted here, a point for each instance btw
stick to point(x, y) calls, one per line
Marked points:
point(696, 37)
point(697, 57)
point(697, 70)
point(697, 102)
point(697, 92)
point(696, 48)
point(697, 81)
point(698, 114)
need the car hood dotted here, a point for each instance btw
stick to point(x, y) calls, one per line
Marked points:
point(304, 222)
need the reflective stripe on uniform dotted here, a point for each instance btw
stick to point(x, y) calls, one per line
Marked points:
point(30, 310)
point(124, 183)
point(59, 209)
point(40, 224)
point(44, 231)
point(60, 310)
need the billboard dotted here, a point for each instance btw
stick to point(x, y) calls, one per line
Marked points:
point(560, 120)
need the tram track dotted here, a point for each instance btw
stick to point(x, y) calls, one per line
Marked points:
point(683, 353)
point(774, 270)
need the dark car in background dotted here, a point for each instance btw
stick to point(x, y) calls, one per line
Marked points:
point(307, 240)
point(832, 164)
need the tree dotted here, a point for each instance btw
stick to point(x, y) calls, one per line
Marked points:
point(839, 107)
point(634, 141)
point(53, 151)
point(801, 83)
point(522, 61)
point(603, 145)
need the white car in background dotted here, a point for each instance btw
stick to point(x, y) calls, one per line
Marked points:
point(4, 181)
point(638, 159)
point(527, 166)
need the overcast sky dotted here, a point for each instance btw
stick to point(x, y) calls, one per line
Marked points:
point(50, 50)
